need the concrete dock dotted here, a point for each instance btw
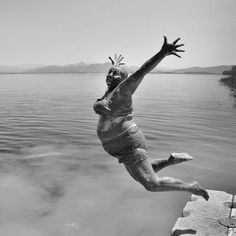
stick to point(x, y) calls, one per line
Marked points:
point(215, 217)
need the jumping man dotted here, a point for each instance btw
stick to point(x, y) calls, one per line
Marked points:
point(121, 137)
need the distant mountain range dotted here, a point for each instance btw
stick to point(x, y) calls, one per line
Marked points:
point(103, 68)
point(18, 69)
point(204, 70)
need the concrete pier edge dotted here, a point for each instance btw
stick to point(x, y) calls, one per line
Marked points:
point(206, 218)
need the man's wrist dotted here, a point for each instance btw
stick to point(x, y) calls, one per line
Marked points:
point(163, 52)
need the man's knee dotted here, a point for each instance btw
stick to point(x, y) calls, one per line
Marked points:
point(152, 185)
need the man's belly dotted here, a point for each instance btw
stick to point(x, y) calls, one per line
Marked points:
point(110, 127)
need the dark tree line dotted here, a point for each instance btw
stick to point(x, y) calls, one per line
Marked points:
point(230, 80)
point(230, 72)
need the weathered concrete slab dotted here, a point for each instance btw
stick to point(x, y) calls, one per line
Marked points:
point(198, 226)
point(201, 218)
point(232, 231)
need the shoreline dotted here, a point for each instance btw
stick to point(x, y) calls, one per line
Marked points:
point(229, 81)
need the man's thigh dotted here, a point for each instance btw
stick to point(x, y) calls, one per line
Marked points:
point(139, 166)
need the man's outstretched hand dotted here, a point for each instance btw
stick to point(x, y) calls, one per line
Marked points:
point(171, 49)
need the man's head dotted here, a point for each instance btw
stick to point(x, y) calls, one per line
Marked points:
point(116, 73)
point(115, 76)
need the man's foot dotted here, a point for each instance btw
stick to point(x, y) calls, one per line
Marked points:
point(197, 190)
point(176, 158)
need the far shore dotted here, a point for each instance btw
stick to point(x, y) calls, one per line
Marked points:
point(229, 81)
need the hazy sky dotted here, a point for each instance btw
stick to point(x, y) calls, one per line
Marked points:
point(70, 31)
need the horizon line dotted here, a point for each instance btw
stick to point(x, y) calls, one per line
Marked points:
point(106, 62)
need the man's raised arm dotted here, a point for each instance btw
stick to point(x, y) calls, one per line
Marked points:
point(129, 85)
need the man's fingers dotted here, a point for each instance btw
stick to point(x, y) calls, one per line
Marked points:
point(165, 40)
point(176, 41)
point(180, 45)
point(179, 50)
point(176, 54)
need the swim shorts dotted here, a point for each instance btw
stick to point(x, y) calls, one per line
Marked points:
point(125, 146)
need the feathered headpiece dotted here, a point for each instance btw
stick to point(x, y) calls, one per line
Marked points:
point(117, 61)
point(117, 64)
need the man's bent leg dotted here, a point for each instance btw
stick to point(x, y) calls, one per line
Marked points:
point(141, 170)
point(175, 158)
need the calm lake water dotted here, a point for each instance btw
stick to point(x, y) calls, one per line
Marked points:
point(55, 178)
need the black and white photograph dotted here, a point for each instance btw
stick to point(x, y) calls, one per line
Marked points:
point(117, 118)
